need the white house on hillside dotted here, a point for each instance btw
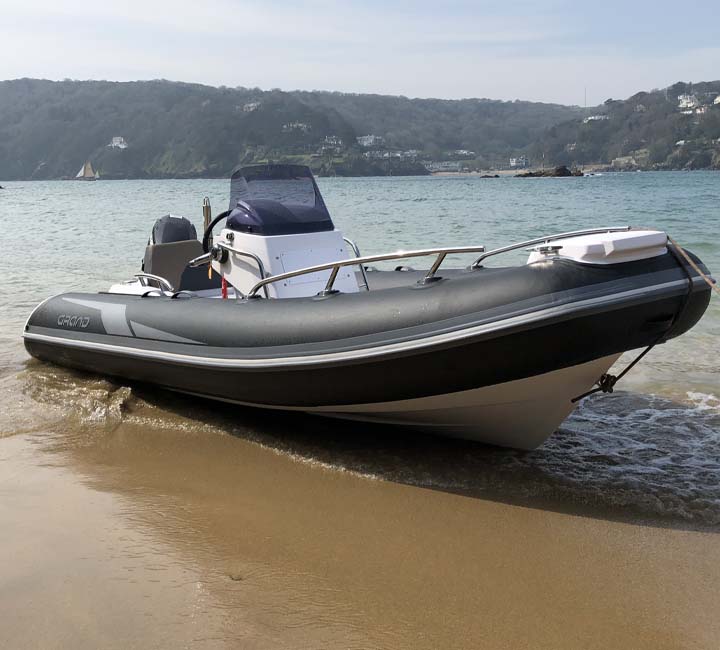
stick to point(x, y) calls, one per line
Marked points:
point(118, 142)
point(370, 140)
point(688, 101)
point(596, 118)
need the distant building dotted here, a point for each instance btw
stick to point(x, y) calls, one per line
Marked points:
point(624, 162)
point(118, 142)
point(681, 143)
point(251, 106)
point(383, 154)
point(701, 110)
point(334, 140)
point(595, 118)
point(717, 100)
point(370, 140)
point(296, 126)
point(442, 166)
point(464, 153)
point(640, 108)
point(521, 162)
point(687, 101)
point(380, 154)
point(571, 146)
point(329, 149)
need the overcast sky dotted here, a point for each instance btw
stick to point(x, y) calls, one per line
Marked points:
point(547, 50)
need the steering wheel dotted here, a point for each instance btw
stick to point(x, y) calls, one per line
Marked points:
point(208, 231)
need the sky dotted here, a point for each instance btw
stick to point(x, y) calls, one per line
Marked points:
point(547, 50)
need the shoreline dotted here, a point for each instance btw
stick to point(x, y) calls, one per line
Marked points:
point(502, 173)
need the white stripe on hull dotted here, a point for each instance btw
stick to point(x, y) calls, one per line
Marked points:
point(521, 413)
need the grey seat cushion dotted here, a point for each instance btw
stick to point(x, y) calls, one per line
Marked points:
point(169, 260)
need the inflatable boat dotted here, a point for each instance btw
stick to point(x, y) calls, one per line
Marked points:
point(278, 310)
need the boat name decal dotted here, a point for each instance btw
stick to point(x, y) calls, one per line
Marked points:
point(66, 320)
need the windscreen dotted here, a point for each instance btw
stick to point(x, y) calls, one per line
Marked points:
point(287, 184)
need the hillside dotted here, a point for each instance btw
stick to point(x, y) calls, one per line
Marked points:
point(48, 129)
point(674, 128)
point(168, 129)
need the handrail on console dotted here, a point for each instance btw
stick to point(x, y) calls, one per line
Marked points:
point(334, 267)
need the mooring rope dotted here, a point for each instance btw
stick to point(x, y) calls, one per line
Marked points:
point(607, 382)
point(713, 285)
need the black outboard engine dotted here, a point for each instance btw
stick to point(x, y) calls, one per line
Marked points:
point(170, 229)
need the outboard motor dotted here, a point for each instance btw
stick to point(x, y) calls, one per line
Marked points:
point(278, 222)
point(171, 228)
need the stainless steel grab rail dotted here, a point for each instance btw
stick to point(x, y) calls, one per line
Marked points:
point(363, 272)
point(252, 256)
point(334, 267)
point(164, 284)
point(207, 257)
point(545, 240)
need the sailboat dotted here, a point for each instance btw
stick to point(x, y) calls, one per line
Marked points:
point(87, 173)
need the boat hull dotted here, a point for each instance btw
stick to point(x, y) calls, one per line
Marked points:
point(457, 356)
point(521, 414)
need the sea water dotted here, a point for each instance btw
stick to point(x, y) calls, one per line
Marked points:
point(652, 448)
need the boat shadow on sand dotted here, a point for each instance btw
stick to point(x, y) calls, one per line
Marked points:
point(623, 457)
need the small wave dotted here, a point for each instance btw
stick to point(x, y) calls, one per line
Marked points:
point(79, 397)
point(620, 455)
point(643, 452)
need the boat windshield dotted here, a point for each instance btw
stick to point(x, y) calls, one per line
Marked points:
point(290, 185)
point(276, 200)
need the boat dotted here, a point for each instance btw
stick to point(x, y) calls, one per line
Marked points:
point(87, 173)
point(280, 311)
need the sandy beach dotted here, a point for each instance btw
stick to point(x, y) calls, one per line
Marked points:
point(138, 521)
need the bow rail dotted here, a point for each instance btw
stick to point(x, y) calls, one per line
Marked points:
point(546, 240)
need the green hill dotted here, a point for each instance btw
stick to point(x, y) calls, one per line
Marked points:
point(48, 129)
point(674, 128)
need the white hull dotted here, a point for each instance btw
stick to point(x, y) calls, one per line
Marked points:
point(520, 414)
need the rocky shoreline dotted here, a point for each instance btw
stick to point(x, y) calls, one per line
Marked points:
point(558, 172)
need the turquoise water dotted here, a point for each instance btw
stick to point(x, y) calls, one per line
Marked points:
point(61, 236)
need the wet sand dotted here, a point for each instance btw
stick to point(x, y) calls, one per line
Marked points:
point(136, 519)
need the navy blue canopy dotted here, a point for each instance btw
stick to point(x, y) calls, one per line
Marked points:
point(276, 200)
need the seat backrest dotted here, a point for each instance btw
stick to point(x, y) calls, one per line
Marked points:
point(169, 260)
